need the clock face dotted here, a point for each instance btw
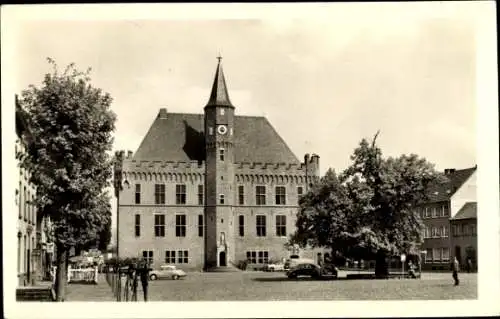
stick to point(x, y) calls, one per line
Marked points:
point(222, 129)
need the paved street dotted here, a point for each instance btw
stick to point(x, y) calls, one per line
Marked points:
point(260, 286)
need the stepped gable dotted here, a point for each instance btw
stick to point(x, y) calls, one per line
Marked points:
point(455, 180)
point(180, 137)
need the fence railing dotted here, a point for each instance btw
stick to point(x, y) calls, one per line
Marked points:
point(89, 275)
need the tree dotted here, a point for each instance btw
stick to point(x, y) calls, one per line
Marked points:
point(368, 211)
point(67, 155)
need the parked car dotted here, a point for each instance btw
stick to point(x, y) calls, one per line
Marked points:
point(312, 270)
point(275, 267)
point(295, 260)
point(167, 272)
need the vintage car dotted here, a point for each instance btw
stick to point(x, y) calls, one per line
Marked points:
point(167, 272)
point(274, 267)
point(312, 270)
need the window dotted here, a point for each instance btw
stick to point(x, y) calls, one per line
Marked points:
point(137, 193)
point(444, 231)
point(428, 255)
point(260, 195)
point(241, 225)
point(160, 225)
point(24, 204)
point(182, 257)
point(252, 257)
point(137, 225)
point(427, 232)
point(434, 212)
point(261, 225)
point(210, 131)
point(159, 194)
point(465, 230)
point(280, 195)
point(427, 212)
point(221, 199)
point(222, 112)
point(200, 225)
point(444, 211)
point(436, 232)
point(221, 154)
point(241, 195)
point(33, 210)
point(281, 225)
point(263, 257)
point(445, 254)
point(300, 191)
point(180, 194)
point(169, 256)
point(148, 256)
point(28, 207)
point(20, 201)
point(200, 195)
point(436, 254)
point(473, 230)
point(180, 225)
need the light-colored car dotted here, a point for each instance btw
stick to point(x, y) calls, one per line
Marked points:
point(292, 262)
point(167, 272)
point(275, 267)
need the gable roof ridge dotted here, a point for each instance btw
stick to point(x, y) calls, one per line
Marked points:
point(281, 139)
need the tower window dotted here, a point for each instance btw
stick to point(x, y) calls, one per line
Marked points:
point(280, 195)
point(221, 154)
point(260, 195)
point(137, 193)
point(210, 131)
point(241, 194)
point(159, 194)
point(221, 199)
point(137, 225)
point(200, 195)
point(241, 225)
point(180, 225)
point(222, 111)
point(180, 194)
point(200, 225)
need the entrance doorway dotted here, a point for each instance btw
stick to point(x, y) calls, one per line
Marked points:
point(222, 259)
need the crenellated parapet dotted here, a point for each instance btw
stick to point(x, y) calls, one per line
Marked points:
point(162, 171)
point(274, 173)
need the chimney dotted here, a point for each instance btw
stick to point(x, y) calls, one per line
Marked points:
point(129, 154)
point(163, 113)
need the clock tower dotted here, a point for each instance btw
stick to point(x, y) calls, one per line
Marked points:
point(219, 175)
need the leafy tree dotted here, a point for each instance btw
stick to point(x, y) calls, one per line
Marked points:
point(368, 211)
point(67, 155)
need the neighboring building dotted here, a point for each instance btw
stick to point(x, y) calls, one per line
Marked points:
point(32, 229)
point(445, 201)
point(464, 235)
point(210, 190)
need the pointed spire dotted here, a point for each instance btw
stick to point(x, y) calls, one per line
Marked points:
point(219, 95)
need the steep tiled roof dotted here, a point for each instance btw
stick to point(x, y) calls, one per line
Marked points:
point(455, 179)
point(468, 211)
point(180, 137)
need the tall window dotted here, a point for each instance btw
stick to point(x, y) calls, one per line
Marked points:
point(261, 225)
point(28, 207)
point(170, 256)
point(280, 225)
point(200, 195)
point(252, 257)
point(473, 230)
point(159, 194)
point(160, 225)
point(241, 195)
point(280, 195)
point(300, 191)
point(200, 225)
point(434, 212)
point(138, 225)
point(444, 231)
point(436, 254)
point(180, 194)
point(20, 201)
point(182, 257)
point(221, 199)
point(456, 230)
point(148, 256)
point(465, 230)
point(137, 193)
point(445, 254)
point(180, 225)
point(24, 204)
point(33, 209)
point(241, 225)
point(427, 212)
point(428, 255)
point(221, 154)
point(258, 257)
point(260, 195)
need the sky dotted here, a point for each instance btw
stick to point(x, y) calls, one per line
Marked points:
point(324, 79)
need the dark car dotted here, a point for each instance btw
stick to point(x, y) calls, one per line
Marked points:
point(312, 270)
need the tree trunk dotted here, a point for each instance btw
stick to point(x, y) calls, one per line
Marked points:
point(61, 277)
point(381, 266)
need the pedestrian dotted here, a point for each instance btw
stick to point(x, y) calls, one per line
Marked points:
point(469, 265)
point(455, 268)
point(144, 279)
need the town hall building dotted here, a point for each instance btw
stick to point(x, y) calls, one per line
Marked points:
point(211, 190)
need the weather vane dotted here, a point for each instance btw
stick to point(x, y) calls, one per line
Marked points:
point(219, 57)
